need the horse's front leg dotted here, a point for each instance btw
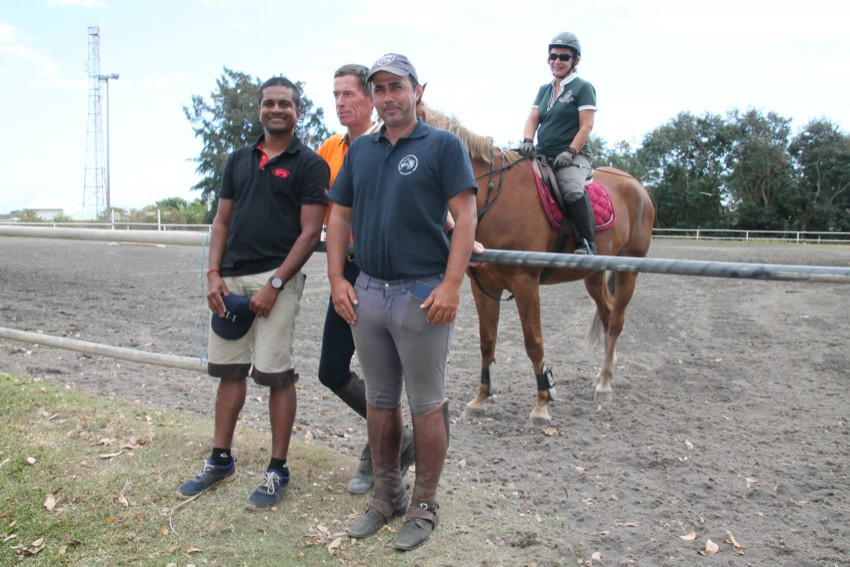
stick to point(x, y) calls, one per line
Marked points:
point(527, 294)
point(488, 325)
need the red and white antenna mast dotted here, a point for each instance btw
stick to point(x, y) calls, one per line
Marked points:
point(94, 184)
point(96, 194)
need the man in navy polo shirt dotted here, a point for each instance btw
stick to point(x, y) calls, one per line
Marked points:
point(394, 192)
point(269, 220)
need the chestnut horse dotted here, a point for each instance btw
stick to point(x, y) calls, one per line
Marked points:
point(511, 217)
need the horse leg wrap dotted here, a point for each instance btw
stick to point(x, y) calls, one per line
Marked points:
point(546, 381)
point(485, 375)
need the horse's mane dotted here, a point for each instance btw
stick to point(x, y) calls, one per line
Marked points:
point(478, 147)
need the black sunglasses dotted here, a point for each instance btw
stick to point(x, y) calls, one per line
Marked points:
point(561, 56)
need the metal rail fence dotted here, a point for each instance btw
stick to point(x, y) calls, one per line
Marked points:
point(652, 265)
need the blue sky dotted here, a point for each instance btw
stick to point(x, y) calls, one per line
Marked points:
point(483, 62)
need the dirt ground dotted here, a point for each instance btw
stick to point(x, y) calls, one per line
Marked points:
point(730, 410)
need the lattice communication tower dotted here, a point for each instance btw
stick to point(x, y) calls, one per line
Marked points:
point(94, 187)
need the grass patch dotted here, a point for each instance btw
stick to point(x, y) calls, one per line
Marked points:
point(88, 481)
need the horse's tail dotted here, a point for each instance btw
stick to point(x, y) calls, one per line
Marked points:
point(595, 332)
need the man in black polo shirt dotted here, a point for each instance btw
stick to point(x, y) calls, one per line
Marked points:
point(270, 212)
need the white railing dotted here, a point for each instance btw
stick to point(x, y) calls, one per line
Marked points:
point(116, 225)
point(799, 236)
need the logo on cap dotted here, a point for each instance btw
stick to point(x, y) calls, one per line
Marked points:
point(236, 321)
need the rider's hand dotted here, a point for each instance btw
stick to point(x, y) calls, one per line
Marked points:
point(526, 148)
point(564, 158)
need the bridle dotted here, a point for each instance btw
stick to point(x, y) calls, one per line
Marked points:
point(493, 193)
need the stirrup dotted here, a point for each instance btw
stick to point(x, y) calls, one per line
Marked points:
point(585, 247)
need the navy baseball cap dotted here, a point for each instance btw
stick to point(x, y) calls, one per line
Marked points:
point(395, 64)
point(236, 321)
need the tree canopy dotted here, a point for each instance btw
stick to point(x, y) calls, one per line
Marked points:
point(743, 170)
point(229, 119)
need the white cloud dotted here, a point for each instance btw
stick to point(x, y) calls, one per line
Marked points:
point(15, 50)
point(78, 3)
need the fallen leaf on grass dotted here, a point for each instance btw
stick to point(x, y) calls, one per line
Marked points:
point(334, 545)
point(736, 547)
point(308, 438)
point(710, 548)
point(50, 502)
point(163, 530)
point(552, 432)
point(123, 501)
point(689, 537)
point(110, 455)
point(192, 550)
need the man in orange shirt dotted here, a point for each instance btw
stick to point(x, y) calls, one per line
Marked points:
point(354, 110)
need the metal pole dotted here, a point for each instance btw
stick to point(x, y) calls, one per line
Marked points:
point(122, 353)
point(105, 79)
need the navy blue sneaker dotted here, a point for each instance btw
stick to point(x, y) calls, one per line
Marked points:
point(270, 491)
point(211, 475)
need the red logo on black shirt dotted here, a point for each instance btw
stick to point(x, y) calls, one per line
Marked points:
point(282, 173)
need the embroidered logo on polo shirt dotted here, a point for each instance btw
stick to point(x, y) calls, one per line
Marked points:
point(408, 164)
point(282, 173)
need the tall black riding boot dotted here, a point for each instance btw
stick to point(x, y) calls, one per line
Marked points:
point(581, 215)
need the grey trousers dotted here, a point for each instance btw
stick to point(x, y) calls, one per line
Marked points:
point(396, 347)
point(571, 179)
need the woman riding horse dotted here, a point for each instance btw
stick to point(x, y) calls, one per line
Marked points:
point(562, 117)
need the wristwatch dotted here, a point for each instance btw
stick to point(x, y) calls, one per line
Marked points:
point(276, 282)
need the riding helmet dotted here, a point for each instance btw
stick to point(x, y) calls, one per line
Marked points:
point(566, 39)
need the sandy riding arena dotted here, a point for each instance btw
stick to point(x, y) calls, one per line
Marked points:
point(730, 411)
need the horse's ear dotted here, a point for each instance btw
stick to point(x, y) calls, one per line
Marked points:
point(422, 94)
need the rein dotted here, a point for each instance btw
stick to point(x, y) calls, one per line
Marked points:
point(493, 194)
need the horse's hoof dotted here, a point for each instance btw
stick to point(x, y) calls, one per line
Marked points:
point(603, 397)
point(476, 406)
point(539, 418)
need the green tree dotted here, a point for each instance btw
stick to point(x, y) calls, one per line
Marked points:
point(229, 120)
point(682, 164)
point(621, 155)
point(821, 154)
point(760, 177)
